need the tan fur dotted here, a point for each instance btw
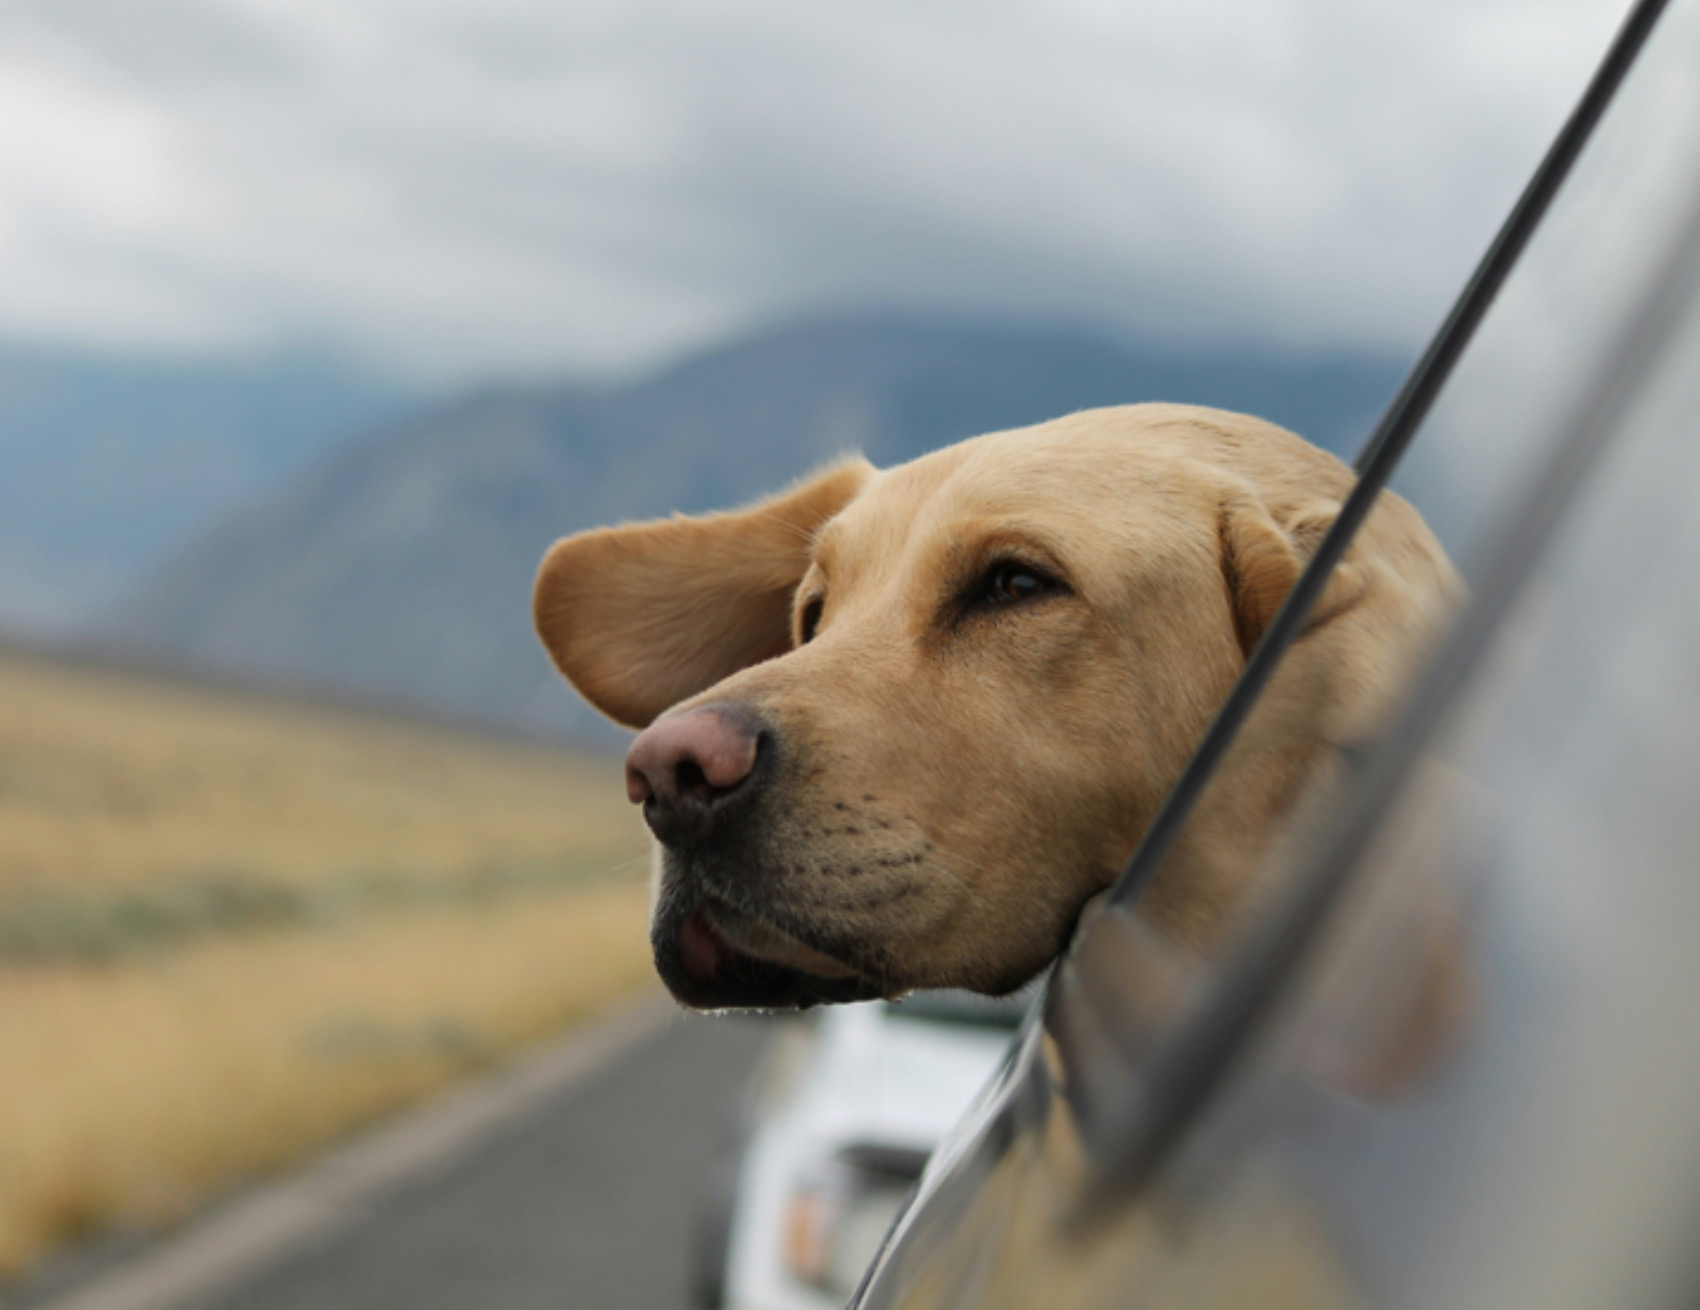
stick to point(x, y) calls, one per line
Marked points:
point(953, 784)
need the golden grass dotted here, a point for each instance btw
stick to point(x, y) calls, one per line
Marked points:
point(132, 1087)
point(112, 779)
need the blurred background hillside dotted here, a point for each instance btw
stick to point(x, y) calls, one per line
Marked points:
point(320, 320)
point(399, 568)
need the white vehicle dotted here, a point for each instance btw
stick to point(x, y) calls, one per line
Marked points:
point(846, 1112)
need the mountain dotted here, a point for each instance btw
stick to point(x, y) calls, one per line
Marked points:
point(402, 569)
point(110, 463)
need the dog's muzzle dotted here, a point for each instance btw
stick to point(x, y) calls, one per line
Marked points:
point(701, 776)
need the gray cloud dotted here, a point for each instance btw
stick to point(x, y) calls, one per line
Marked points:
point(459, 185)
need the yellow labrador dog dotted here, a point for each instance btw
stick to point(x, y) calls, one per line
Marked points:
point(900, 725)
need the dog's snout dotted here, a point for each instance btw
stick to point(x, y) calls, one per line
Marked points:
point(684, 768)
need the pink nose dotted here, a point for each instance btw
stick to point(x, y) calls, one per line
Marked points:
point(682, 766)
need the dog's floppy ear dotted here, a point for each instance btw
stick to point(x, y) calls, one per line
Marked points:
point(1262, 557)
point(642, 616)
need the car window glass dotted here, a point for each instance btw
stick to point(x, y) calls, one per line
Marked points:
point(1492, 423)
point(1574, 283)
point(1327, 1174)
point(1496, 1034)
point(1483, 1096)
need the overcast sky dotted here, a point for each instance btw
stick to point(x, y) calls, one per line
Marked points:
point(460, 186)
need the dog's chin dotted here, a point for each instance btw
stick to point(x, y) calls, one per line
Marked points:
point(713, 958)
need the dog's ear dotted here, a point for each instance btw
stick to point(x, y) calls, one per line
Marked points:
point(642, 616)
point(1262, 556)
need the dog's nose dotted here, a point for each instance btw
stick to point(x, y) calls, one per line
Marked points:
point(684, 768)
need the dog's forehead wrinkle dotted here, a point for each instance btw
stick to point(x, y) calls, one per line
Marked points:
point(1104, 531)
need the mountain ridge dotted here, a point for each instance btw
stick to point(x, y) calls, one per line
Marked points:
point(109, 461)
point(402, 566)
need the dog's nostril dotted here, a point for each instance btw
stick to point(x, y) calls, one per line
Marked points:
point(683, 767)
point(690, 780)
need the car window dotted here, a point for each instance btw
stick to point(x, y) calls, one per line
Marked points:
point(1071, 1131)
point(1578, 279)
point(1494, 415)
point(1480, 1089)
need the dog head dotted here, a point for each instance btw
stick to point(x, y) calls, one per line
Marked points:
point(899, 726)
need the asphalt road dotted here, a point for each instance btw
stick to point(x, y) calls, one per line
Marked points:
point(587, 1200)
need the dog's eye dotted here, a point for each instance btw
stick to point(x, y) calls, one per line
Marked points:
point(1009, 583)
point(809, 621)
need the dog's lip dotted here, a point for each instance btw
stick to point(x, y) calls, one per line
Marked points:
point(705, 968)
point(702, 949)
point(734, 931)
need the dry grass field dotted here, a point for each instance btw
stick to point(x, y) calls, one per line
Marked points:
point(232, 928)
